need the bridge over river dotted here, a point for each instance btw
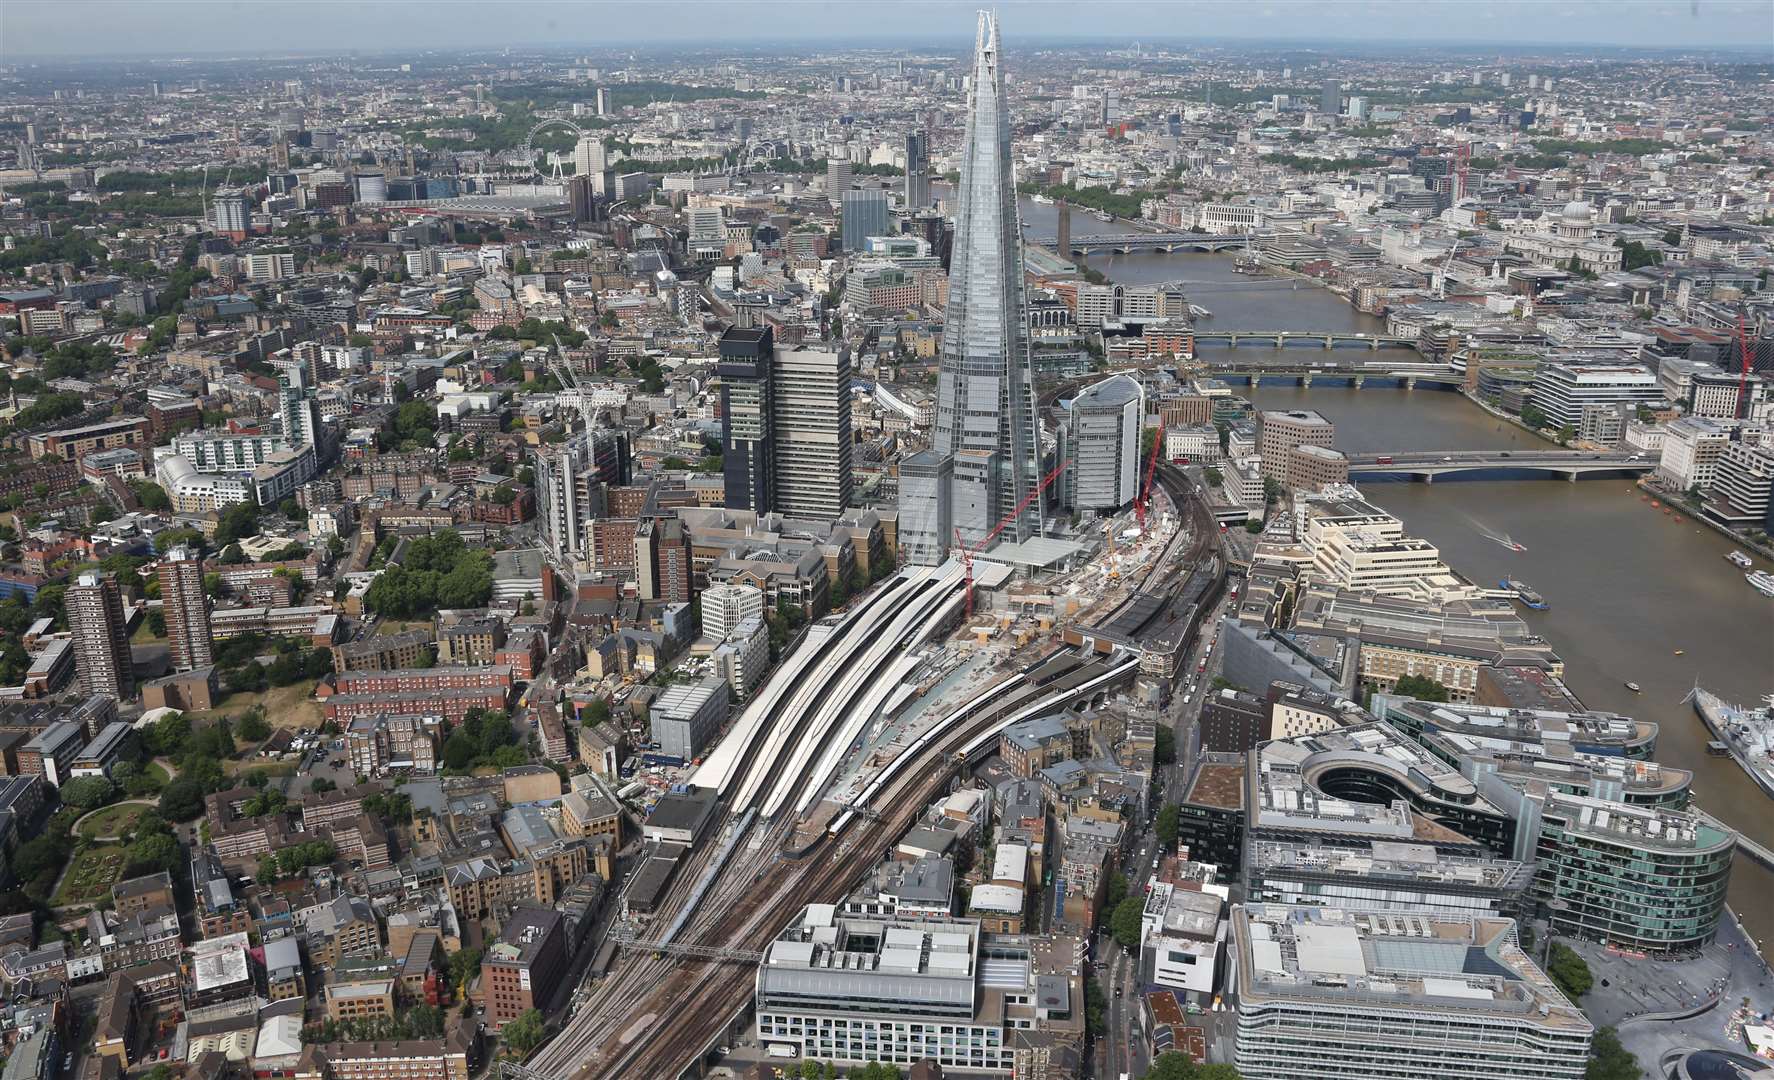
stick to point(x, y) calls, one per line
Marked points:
point(1514, 464)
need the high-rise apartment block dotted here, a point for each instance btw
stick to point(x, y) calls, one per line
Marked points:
point(101, 640)
point(186, 609)
point(811, 432)
point(747, 411)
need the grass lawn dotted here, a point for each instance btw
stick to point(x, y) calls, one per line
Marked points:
point(113, 820)
point(145, 636)
point(156, 772)
point(285, 706)
point(94, 871)
point(397, 626)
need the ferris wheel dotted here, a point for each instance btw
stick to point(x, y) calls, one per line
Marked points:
point(546, 125)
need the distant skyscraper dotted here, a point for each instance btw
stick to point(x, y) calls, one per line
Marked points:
point(985, 396)
point(589, 156)
point(864, 214)
point(231, 213)
point(603, 101)
point(1062, 232)
point(101, 641)
point(917, 171)
point(747, 414)
point(1331, 100)
point(838, 172)
point(186, 609)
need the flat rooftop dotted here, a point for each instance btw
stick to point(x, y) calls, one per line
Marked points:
point(1386, 961)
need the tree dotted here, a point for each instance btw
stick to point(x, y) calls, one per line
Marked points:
point(1166, 825)
point(525, 1033)
point(1164, 745)
point(1176, 1065)
point(1271, 491)
point(252, 727)
point(167, 737)
point(153, 853)
point(1533, 416)
point(1569, 970)
point(1124, 922)
point(1608, 1060)
point(181, 799)
point(88, 792)
point(1213, 476)
point(1420, 687)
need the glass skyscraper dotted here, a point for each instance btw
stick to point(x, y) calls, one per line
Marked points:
point(985, 403)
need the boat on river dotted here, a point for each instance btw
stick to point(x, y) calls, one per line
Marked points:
point(1747, 734)
point(1761, 581)
point(1739, 560)
point(1521, 592)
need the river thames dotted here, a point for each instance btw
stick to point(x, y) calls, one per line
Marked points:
point(1627, 585)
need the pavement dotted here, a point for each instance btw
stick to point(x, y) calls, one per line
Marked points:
point(1629, 987)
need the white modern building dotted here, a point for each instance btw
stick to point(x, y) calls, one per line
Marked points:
point(1563, 391)
point(1692, 447)
point(861, 984)
point(1182, 935)
point(1326, 992)
point(1104, 442)
point(726, 605)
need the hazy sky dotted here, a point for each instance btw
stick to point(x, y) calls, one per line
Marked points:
point(31, 29)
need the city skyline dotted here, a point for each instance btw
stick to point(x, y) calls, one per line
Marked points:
point(186, 27)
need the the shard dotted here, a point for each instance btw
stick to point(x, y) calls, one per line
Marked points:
point(985, 397)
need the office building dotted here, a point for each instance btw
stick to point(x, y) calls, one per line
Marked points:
point(917, 170)
point(1563, 391)
point(590, 158)
point(101, 640)
point(810, 432)
point(1648, 878)
point(1281, 430)
point(925, 526)
point(185, 606)
point(838, 174)
point(1744, 488)
point(864, 214)
point(727, 605)
point(524, 968)
point(747, 418)
point(1327, 992)
point(603, 101)
point(1182, 937)
point(686, 716)
point(853, 985)
point(985, 409)
point(1105, 428)
point(1330, 99)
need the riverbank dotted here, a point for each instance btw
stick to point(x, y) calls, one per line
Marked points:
point(1678, 501)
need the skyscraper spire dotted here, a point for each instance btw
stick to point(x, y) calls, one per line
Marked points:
point(985, 406)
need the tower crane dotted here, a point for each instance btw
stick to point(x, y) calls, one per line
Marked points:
point(1441, 283)
point(967, 553)
point(1139, 505)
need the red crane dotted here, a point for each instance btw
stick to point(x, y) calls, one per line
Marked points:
point(967, 553)
point(1139, 506)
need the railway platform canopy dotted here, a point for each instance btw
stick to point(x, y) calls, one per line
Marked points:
point(1035, 553)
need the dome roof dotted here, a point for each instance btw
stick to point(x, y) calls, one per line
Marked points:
point(1578, 213)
